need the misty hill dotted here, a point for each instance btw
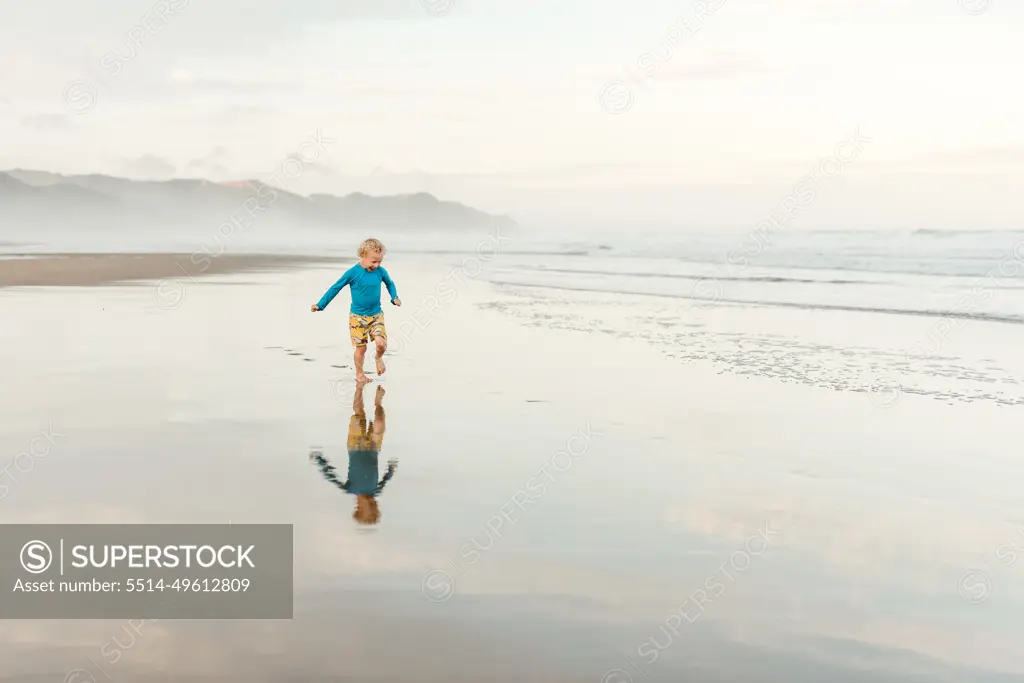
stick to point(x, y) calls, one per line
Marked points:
point(38, 198)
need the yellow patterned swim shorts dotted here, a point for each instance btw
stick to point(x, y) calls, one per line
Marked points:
point(363, 436)
point(362, 328)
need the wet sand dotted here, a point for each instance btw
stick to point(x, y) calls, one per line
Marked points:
point(75, 269)
point(829, 535)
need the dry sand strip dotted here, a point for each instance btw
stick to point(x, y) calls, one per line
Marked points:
point(82, 270)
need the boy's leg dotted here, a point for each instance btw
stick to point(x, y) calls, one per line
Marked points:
point(358, 357)
point(357, 427)
point(359, 331)
point(378, 427)
point(357, 402)
point(382, 345)
point(379, 335)
point(357, 434)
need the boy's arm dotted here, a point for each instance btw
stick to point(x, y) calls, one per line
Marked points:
point(333, 291)
point(327, 469)
point(390, 284)
point(392, 466)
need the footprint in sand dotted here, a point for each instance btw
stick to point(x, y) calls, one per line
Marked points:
point(292, 352)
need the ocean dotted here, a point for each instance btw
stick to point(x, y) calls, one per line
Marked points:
point(931, 313)
point(937, 274)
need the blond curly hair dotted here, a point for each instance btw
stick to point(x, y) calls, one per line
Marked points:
point(366, 511)
point(371, 245)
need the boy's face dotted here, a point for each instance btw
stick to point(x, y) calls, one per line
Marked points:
point(371, 260)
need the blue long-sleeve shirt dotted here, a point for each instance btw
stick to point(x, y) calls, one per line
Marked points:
point(365, 289)
point(362, 473)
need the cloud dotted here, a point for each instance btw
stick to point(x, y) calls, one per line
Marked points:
point(209, 171)
point(729, 65)
point(47, 123)
point(317, 168)
point(980, 155)
point(243, 113)
point(236, 16)
point(148, 167)
point(220, 153)
point(990, 158)
point(186, 81)
point(275, 13)
point(219, 165)
point(212, 166)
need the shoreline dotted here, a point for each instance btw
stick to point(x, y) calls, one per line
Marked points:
point(92, 269)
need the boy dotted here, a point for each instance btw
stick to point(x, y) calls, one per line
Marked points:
point(366, 319)
point(364, 445)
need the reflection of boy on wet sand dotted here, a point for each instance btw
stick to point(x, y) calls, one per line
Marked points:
point(364, 444)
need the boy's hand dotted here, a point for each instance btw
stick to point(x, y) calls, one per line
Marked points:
point(314, 308)
point(397, 302)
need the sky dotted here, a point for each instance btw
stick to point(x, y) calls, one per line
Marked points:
point(687, 114)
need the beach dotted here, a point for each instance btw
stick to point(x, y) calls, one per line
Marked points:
point(607, 486)
point(85, 269)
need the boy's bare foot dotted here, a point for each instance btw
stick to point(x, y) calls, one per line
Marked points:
point(363, 379)
point(381, 368)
